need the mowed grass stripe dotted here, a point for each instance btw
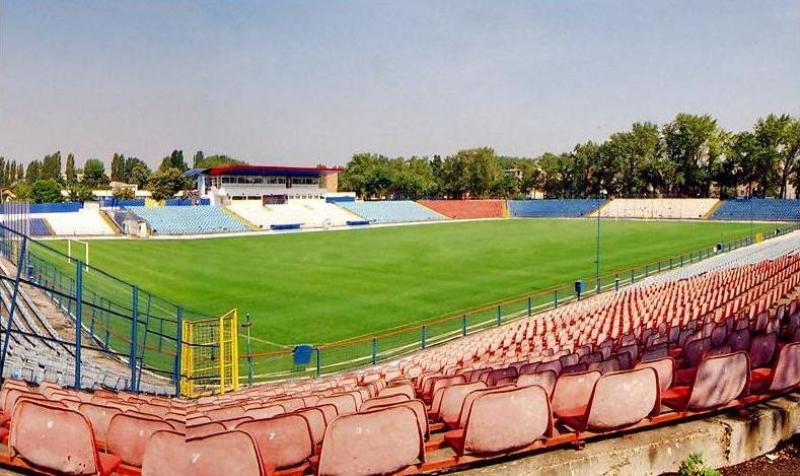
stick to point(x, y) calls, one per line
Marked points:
point(325, 287)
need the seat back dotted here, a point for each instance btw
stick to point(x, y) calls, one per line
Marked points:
point(376, 442)
point(382, 401)
point(226, 413)
point(720, 379)
point(665, 368)
point(400, 389)
point(418, 406)
point(453, 398)
point(787, 368)
point(624, 398)
point(573, 390)
point(128, 435)
point(267, 411)
point(762, 350)
point(165, 455)
point(99, 416)
point(196, 431)
point(52, 438)
point(496, 376)
point(229, 452)
point(505, 420)
point(316, 422)
point(546, 380)
point(345, 403)
point(284, 441)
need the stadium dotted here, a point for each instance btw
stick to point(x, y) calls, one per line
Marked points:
point(437, 335)
point(405, 238)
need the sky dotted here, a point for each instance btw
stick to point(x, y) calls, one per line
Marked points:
point(307, 82)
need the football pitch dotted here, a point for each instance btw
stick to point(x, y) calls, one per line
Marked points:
point(328, 286)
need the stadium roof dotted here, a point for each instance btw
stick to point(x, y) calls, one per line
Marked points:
point(259, 170)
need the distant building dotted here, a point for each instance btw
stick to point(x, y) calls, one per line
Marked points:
point(265, 182)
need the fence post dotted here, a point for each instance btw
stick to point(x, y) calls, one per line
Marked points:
point(555, 298)
point(319, 361)
point(464, 325)
point(424, 336)
point(616, 283)
point(659, 266)
point(529, 306)
point(670, 262)
point(499, 316)
point(13, 309)
point(632, 276)
point(646, 270)
point(178, 351)
point(108, 331)
point(134, 325)
point(374, 350)
point(78, 320)
point(681, 261)
point(160, 333)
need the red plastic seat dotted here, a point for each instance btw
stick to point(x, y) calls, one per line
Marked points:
point(619, 400)
point(503, 420)
point(546, 380)
point(719, 380)
point(574, 390)
point(165, 455)
point(381, 441)
point(56, 439)
point(230, 452)
point(284, 441)
point(783, 376)
point(127, 436)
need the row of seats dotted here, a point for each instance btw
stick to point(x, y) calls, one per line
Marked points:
point(195, 220)
point(306, 213)
point(723, 338)
point(659, 208)
point(758, 209)
point(467, 209)
point(573, 208)
point(398, 211)
point(85, 222)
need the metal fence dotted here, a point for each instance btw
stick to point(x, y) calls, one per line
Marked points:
point(366, 351)
point(125, 332)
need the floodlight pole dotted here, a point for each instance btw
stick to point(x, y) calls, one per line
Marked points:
point(597, 257)
point(247, 325)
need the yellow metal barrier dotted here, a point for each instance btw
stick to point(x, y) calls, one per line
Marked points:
point(759, 237)
point(210, 356)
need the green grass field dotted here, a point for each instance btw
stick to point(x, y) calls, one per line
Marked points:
point(325, 287)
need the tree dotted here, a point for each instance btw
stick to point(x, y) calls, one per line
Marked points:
point(118, 168)
point(20, 173)
point(174, 160)
point(46, 191)
point(22, 190)
point(51, 167)
point(204, 162)
point(165, 184)
point(136, 171)
point(33, 172)
point(94, 174)
point(687, 142)
point(69, 171)
point(197, 159)
point(123, 193)
point(78, 192)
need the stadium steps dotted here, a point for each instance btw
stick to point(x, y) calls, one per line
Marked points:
point(710, 214)
point(244, 221)
point(111, 223)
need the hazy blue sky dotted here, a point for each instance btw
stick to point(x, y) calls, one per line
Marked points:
point(304, 82)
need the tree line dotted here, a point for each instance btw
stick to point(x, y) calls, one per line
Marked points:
point(42, 181)
point(691, 156)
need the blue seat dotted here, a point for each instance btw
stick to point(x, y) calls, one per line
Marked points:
point(191, 220)
point(554, 207)
point(758, 209)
